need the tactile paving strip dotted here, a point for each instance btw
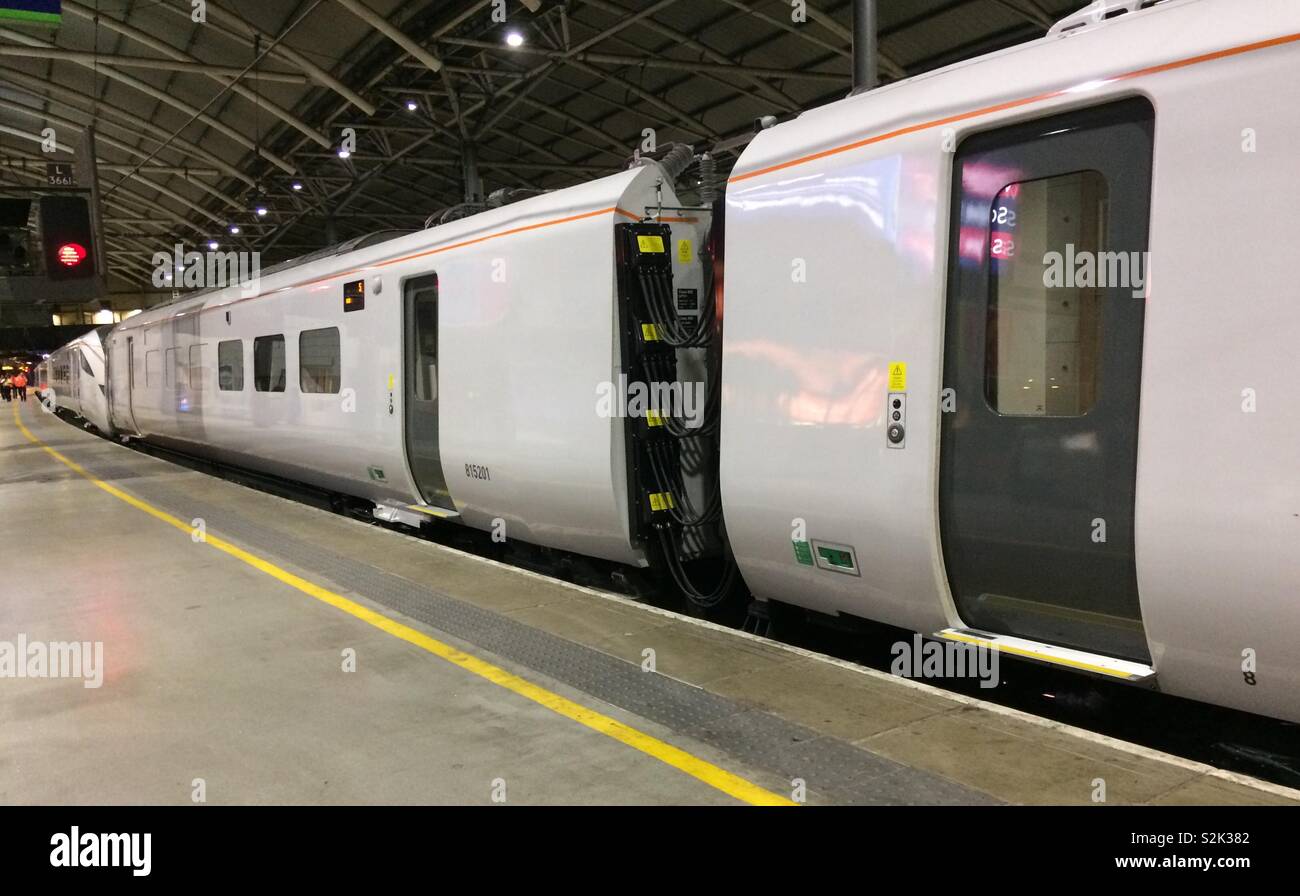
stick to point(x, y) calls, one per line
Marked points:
point(835, 770)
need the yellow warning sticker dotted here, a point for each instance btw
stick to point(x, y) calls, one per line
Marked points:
point(649, 333)
point(652, 418)
point(897, 376)
point(390, 382)
point(660, 501)
point(650, 243)
point(685, 252)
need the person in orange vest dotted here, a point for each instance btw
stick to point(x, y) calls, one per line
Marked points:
point(20, 385)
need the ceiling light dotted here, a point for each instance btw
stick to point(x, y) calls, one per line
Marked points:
point(514, 39)
point(234, 228)
point(343, 153)
point(214, 245)
point(297, 185)
point(261, 211)
point(412, 105)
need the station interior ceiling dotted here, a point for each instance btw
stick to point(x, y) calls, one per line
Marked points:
point(199, 123)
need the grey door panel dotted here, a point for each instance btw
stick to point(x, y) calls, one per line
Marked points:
point(420, 390)
point(1038, 461)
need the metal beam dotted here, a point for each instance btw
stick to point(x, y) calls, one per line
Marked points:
point(231, 79)
point(192, 67)
point(380, 24)
point(655, 62)
point(133, 123)
point(233, 25)
point(116, 144)
point(149, 90)
point(866, 65)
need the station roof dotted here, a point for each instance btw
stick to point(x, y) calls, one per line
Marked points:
point(199, 122)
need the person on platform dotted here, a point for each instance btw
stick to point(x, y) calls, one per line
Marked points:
point(5, 386)
point(20, 386)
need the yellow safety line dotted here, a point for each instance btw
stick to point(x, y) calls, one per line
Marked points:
point(431, 511)
point(1045, 657)
point(719, 778)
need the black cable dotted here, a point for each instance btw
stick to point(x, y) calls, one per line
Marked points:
point(704, 599)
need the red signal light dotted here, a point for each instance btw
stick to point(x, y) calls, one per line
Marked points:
point(71, 254)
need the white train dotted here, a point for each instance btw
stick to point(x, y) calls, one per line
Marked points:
point(1009, 357)
point(74, 378)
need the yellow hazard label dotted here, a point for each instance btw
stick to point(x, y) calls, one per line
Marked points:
point(660, 501)
point(653, 418)
point(649, 333)
point(650, 243)
point(390, 382)
point(897, 376)
point(685, 252)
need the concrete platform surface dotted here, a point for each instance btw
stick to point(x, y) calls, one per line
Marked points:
point(255, 650)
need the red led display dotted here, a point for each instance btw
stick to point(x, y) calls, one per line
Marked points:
point(71, 254)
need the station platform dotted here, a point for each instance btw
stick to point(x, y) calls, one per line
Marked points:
point(256, 650)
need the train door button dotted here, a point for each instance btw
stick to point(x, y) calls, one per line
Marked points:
point(897, 409)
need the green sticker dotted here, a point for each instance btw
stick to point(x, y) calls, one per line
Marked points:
point(803, 552)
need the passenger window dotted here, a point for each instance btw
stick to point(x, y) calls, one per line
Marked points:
point(1047, 270)
point(318, 360)
point(425, 356)
point(85, 365)
point(152, 368)
point(196, 366)
point(268, 363)
point(230, 366)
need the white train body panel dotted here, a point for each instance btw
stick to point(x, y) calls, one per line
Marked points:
point(76, 373)
point(526, 336)
point(1217, 511)
point(839, 264)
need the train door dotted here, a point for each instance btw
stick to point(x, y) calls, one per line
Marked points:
point(74, 379)
point(420, 392)
point(1042, 370)
point(120, 364)
point(130, 382)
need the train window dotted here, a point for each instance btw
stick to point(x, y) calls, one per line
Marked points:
point(425, 306)
point(1044, 314)
point(196, 366)
point(318, 360)
point(268, 363)
point(85, 365)
point(152, 368)
point(230, 365)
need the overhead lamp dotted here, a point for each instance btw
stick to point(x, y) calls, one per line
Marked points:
point(234, 228)
point(344, 153)
point(412, 105)
point(514, 39)
point(213, 245)
point(297, 185)
point(261, 211)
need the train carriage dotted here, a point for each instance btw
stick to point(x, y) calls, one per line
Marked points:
point(1009, 357)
